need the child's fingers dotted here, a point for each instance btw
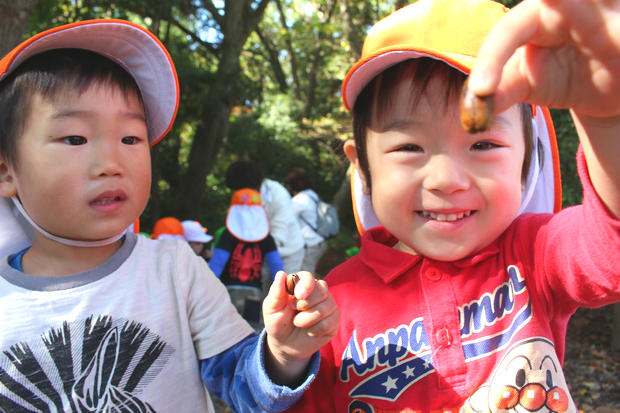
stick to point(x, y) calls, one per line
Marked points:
point(326, 327)
point(514, 29)
point(277, 298)
point(320, 293)
point(315, 314)
point(305, 285)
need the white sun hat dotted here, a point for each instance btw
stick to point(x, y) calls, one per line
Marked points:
point(193, 231)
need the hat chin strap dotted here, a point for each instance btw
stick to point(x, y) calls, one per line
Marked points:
point(65, 241)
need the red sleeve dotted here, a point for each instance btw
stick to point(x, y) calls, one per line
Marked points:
point(319, 396)
point(578, 251)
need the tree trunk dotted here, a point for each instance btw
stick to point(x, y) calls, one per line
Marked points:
point(239, 21)
point(14, 16)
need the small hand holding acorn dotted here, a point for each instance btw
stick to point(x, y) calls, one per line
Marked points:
point(300, 317)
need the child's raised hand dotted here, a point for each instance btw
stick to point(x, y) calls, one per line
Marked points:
point(557, 53)
point(297, 326)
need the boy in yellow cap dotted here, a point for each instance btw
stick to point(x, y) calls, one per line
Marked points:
point(468, 272)
point(93, 318)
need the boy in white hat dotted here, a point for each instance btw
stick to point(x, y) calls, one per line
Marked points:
point(96, 319)
point(196, 235)
point(460, 296)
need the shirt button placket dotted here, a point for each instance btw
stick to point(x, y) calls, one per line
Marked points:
point(443, 337)
point(433, 274)
point(448, 356)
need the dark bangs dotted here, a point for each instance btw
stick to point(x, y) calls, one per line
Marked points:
point(50, 75)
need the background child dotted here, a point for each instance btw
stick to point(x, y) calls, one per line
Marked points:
point(196, 235)
point(459, 298)
point(96, 319)
point(241, 251)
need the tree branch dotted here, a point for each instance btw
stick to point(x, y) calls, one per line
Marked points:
point(291, 51)
point(212, 49)
point(273, 60)
point(255, 17)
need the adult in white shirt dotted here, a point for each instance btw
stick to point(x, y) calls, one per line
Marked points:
point(305, 202)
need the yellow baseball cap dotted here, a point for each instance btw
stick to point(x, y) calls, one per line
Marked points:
point(424, 28)
point(131, 46)
point(451, 31)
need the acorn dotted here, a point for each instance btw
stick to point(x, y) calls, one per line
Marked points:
point(291, 281)
point(476, 111)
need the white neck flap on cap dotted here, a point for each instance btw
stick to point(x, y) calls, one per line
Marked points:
point(65, 241)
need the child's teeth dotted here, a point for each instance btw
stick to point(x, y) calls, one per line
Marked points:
point(445, 217)
point(105, 201)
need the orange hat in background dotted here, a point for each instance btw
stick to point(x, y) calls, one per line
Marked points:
point(168, 228)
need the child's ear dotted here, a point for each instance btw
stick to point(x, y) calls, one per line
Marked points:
point(7, 186)
point(351, 151)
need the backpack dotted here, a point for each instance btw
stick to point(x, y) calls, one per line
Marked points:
point(327, 223)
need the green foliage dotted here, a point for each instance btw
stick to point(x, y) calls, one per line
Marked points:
point(567, 147)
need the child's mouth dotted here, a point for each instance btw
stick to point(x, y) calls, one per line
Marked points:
point(108, 198)
point(446, 217)
point(106, 201)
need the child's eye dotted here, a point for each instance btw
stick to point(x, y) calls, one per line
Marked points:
point(484, 146)
point(410, 148)
point(74, 140)
point(130, 140)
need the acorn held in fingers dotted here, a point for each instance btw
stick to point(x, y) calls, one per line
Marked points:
point(476, 111)
point(291, 281)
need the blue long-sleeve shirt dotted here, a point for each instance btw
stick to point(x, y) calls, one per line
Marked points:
point(238, 376)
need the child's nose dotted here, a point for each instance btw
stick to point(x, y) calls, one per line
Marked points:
point(107, 159)
point(446, 174)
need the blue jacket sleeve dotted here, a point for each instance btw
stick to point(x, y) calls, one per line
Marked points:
point(218, 261)
point(275, 262)
point(238, 376)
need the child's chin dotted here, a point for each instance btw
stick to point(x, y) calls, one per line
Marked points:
point(447, 252)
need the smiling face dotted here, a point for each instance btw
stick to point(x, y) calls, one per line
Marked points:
point(83, 163)
point(444, 193)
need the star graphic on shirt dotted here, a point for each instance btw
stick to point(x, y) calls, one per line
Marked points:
point(408, 372)
point(389, 384)
point(426, 364)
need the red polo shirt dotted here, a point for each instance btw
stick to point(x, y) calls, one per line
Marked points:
point(486, 332)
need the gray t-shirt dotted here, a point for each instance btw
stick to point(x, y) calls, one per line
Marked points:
point(130, 331)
